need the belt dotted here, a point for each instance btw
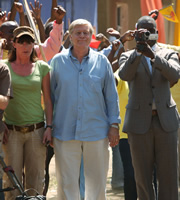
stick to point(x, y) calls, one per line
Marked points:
point(25, 129)
point(154, 112)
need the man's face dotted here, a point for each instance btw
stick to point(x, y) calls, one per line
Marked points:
point(7, 33)
point(81, 36)
point(150, 27)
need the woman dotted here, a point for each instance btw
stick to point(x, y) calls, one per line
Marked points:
point(25, 149)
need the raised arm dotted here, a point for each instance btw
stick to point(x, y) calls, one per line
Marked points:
point(53, 43)
point(36, 11)
point(13, 11)
point(53, 13)
point(19, 7)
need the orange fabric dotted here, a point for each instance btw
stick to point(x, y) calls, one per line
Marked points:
point(94, 43)
point(146, 7)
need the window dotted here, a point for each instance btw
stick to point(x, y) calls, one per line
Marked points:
point(121, 17)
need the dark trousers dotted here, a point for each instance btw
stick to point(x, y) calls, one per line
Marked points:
point(130, 192)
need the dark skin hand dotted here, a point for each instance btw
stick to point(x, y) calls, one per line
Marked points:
point(2, 16)
point(143, 46)
point(113, 32)
point(127, 36)
point(59, 14)
point(145, 49)
point(154, 14)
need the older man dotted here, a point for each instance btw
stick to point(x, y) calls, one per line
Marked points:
point(86, 115)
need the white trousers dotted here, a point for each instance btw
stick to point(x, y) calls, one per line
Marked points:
point(68, 160)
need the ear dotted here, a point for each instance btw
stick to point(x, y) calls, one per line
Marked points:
point(14, 45)
point(70, 38)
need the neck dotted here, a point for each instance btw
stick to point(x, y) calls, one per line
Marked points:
point(80, 53)
point(22, 61)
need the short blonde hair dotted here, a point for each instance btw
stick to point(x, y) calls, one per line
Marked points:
point(80, 22)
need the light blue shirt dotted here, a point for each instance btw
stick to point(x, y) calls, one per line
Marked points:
point(106, 51)
point(84, 97)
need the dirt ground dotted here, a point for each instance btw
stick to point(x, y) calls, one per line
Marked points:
point(111, 194)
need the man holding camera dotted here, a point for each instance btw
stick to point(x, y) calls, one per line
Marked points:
point(151, 119)
point(5, 94)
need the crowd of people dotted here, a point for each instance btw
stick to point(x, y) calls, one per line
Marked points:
point(63, 98)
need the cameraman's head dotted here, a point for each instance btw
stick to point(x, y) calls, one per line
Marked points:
point(147, 22)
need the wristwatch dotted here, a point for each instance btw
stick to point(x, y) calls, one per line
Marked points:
point(49, 126)
point(114, 126)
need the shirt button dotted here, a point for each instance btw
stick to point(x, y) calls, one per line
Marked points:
point(150, 104)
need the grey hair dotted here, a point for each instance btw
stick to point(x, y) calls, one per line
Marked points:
point(80, 22)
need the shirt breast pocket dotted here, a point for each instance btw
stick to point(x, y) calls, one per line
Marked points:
point(93, 83)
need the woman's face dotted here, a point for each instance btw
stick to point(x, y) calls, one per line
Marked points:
point(24, 46)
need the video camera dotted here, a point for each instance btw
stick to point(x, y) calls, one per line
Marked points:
point(145, 36)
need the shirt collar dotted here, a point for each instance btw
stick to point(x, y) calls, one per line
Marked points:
point(154, 47)
point(85, 57)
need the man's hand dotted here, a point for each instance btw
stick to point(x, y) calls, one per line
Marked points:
point(145, 49)
point(59, 14)
point(19, 7)
point(6, 135)
point(127, 36)
point(101, 37)
point(113, 32)
point(154, 14)
point(113, 136)
point(142, 45)
point(115, 45)
point(3, 17)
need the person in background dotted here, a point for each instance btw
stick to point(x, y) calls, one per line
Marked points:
point(130, 192)
point(86, 115)
point(123, 150)
point(24, 116)
point(51, 45)
point(6, 35)
point(5, 95)
point(150, 72)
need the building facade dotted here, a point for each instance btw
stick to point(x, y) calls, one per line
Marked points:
point(122, 15)
point(119, 14)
